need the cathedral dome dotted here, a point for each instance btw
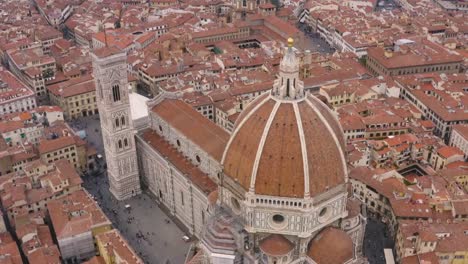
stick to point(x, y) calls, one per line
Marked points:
point(286, 143)
point(331, 245)
point(276, 245)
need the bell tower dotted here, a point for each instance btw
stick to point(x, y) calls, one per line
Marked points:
point(110, 75)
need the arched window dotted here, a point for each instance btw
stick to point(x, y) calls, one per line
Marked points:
point(116, 93)
point(122, 120)
point(117, 122)
point(198, 158)
point(125, 142)
point(287, 87)
point(120, 144)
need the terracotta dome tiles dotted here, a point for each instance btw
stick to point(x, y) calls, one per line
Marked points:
point(280, 171)
point(332, 120)
point(323, 154)
point(240, 158)
point(331, 246)
point(276, 245)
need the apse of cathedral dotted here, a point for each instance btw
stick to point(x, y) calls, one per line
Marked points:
point(275, 190)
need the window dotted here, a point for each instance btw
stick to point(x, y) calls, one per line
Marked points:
point(277, 218)
point(117, 122)
point(235, 205)
point(125, 142)
point(198, 158)
point(122, 120)
point(120, 144)
point(182, 198)
point(323, 212)
point(116, 93)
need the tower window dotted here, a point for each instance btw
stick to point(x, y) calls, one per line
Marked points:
point(100, 92)
point(125, 142)
point(116, 93)
point(117, 122)
point(198, 158)
point(120, 144)
point(122, 120)
point(287, 87)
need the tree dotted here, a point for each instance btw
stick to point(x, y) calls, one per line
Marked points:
point(217, 50)
point(47, 73)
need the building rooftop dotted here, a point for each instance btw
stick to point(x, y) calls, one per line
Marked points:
point(11, 88)
point(462, 130)
point(9, 252)
point(209, 137)
point(73, 87)
point(200, 179)
point(414, 54)
point(115, 245)
point(49, 145)
point(75, 214)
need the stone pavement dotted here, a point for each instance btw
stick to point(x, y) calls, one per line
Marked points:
point(313, 42)
point(153, 235)
point(376, 239)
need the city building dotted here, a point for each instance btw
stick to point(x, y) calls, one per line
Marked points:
point(77, 220)
point(413, 57)
point(13, 158)
point(459, 138)
point(15, 96)
point(446, 242)
point(30, 190)
point(9, 252)
point(33, 67)
point(55, 11)
point(68, 147)
point(37, 243)
point(439, 97)
point(77, 97)
point(113, 248)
